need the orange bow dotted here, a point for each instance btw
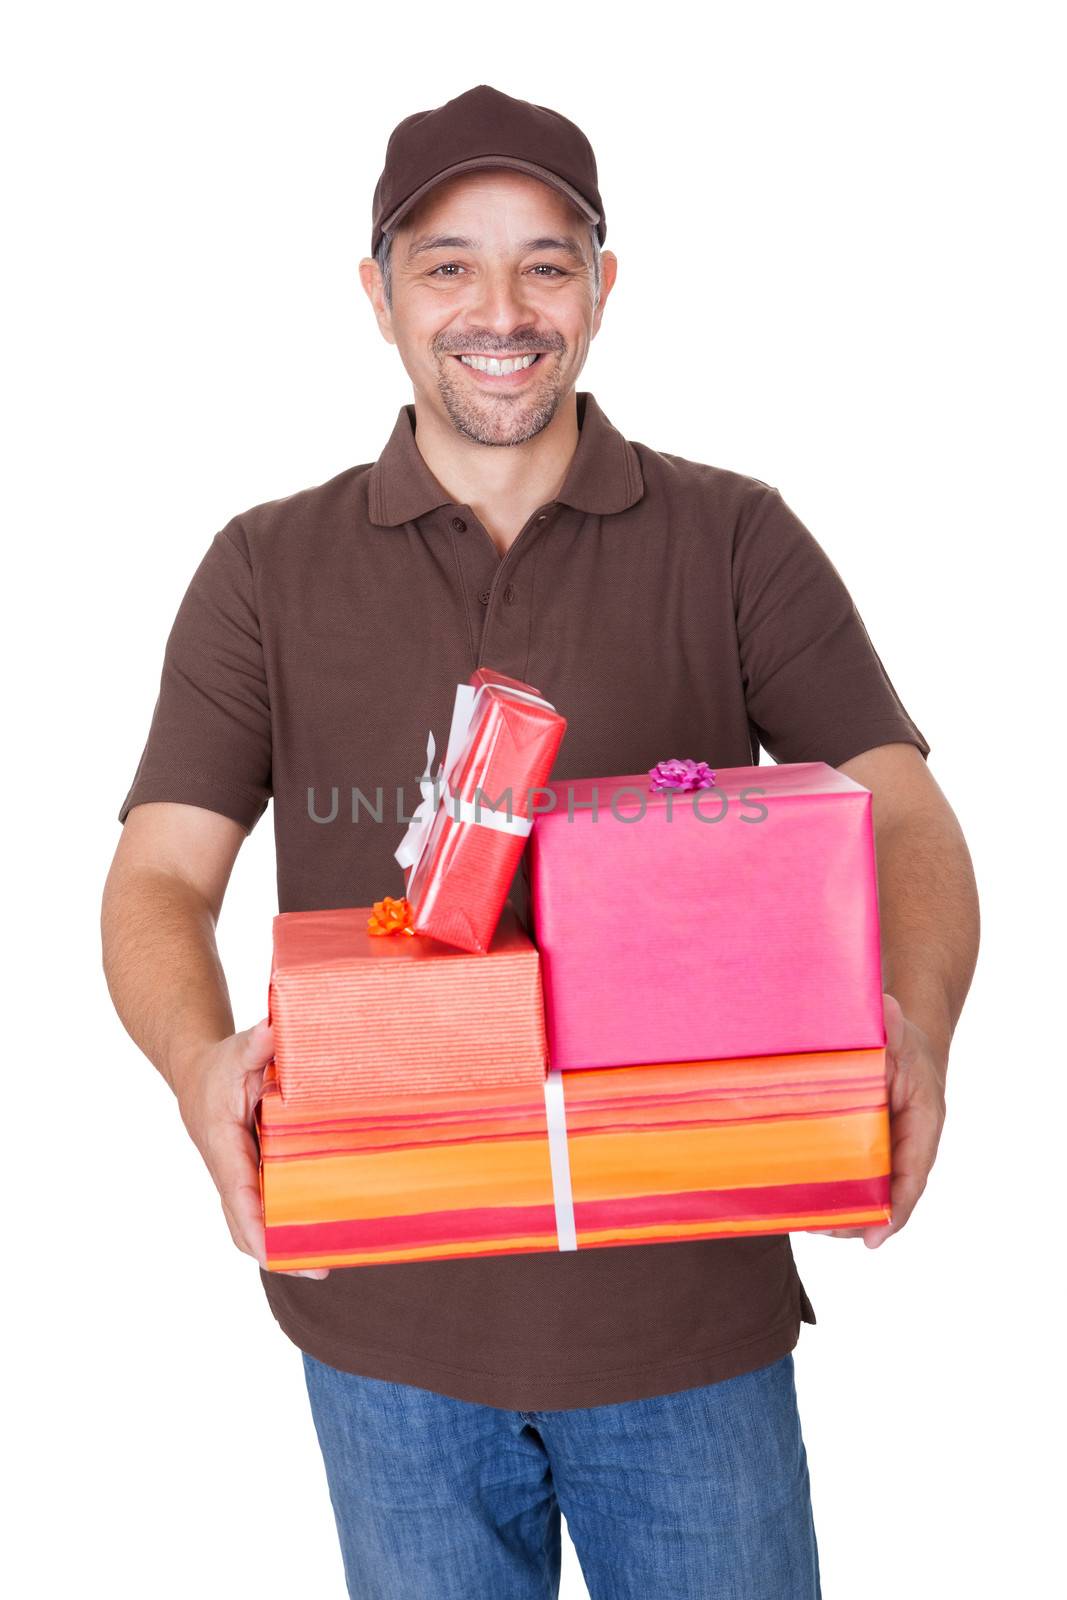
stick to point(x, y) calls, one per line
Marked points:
point(390, 916)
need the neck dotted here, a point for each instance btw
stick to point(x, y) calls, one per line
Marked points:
point(502, 484)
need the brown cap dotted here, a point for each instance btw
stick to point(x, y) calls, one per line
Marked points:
point(484, 128)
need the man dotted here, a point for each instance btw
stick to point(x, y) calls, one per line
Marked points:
point(668, 608)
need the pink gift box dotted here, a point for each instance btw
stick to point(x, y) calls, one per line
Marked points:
point(739, 920)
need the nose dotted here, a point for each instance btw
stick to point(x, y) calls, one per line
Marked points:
point(500, 305)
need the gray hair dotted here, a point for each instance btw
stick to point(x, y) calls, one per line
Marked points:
point(385, 249)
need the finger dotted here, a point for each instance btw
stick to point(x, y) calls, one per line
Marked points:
point(916, 1133)
point(894, 1023)
point(234, 1165)
point(914, 1148)
point(246, 1237)
point(873, 1237)
point(236, 1230)
point(236, 1158)
point(242, 1244)
point(834, 1233)
point(257, 1044)
point(907, 1192)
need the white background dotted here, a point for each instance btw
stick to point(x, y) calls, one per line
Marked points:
point(838, 273)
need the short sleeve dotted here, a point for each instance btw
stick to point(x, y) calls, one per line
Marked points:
point(815, 687)
point(209, 743)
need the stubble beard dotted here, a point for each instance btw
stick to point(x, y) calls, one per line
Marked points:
point(503, 419)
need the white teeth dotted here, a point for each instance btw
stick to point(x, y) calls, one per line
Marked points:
point(491, 364)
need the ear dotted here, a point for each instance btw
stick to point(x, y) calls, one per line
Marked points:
point(370, 277)
point(609, 268)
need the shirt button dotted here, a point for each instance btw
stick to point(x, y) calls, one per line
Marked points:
point(459, 524)
point(484, 597)
point(509, 595)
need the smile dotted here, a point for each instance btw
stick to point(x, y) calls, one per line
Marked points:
point(499, 367)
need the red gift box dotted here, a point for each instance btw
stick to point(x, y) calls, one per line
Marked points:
point(471, 827)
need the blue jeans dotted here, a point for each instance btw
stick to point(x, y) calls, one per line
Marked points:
point(703, 1493)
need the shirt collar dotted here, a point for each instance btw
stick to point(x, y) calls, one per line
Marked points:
point(604, 475)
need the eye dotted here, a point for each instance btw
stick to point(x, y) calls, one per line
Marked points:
point(446, 269)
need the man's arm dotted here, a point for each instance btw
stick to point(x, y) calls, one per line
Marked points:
point(161, 903)
point(928, 899)
point(928, 906)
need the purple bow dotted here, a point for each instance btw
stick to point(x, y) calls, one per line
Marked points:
point(684, 775)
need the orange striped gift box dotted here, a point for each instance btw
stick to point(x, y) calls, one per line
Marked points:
point(606, 1156)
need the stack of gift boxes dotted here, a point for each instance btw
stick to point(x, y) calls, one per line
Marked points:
point(691, 1046)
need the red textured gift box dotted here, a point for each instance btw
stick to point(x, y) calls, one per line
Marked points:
point(358, 1015)
point(503, 744)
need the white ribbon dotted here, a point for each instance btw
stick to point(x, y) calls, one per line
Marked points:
point(559, 1160)
point(477, 811)
point(434, 788)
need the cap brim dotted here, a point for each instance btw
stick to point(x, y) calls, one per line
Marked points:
point(475, 163)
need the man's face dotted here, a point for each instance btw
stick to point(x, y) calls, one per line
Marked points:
point(493, 265)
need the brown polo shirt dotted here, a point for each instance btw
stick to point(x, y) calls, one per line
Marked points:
point(668, 608)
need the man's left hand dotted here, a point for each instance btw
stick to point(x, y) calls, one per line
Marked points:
point(916, 1087)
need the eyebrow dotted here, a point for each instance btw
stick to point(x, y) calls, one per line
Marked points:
point(449, 241)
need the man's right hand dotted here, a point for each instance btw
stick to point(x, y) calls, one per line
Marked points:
point(217, 1094)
